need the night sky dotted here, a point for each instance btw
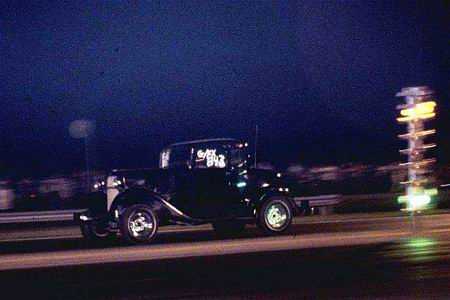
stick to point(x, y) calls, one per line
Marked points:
point(318, 77)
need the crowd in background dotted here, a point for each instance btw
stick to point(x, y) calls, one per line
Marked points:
point(65, 192)
point(55, 192)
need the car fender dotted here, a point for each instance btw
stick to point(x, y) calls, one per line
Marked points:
point(131, 197)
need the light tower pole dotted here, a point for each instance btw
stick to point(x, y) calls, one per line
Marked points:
point(83, 129)
point(418, 109)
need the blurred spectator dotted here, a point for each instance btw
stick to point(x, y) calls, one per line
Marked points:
point(6, 196)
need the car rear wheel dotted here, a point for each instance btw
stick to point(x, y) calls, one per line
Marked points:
point(138, 224)
point(275, 215)
point(94, 231)
point(228, 228)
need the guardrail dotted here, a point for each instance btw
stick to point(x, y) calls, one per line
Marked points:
point(41, 216)
point(318, 201)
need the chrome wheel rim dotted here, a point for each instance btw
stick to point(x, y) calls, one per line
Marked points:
point(277, 216)
point(141, 224)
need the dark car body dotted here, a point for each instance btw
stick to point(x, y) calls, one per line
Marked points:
point(198, 182)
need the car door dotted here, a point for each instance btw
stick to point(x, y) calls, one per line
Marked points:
point(212, 197)
point(214, 182)
point(203, 191)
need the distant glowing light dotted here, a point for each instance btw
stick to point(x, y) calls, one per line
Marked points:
point(278, 175)
point(265, 184)
point(80, 129)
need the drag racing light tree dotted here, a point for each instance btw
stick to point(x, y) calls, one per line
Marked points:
point(418, 109)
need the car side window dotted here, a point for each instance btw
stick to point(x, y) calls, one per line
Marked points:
point(179, 156)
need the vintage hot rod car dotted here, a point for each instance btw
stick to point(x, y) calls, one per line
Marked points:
point(198, 182)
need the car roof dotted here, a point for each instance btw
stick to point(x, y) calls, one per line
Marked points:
point(216, 140)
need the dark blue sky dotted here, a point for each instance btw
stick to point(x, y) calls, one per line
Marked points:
point(318, 77)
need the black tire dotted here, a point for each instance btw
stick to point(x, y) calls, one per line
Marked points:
point(228, 228)
point(135, 224)
point(93, 231)
point(275, 215)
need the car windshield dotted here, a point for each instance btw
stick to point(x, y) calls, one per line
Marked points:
point(237, 157)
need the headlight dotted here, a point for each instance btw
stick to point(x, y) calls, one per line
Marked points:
point(99, 185)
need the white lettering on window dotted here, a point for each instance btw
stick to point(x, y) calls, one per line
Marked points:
point(212, 158)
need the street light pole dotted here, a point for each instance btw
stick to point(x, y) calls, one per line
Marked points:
point(86, 156)
point(256, 145)
point(83, 129)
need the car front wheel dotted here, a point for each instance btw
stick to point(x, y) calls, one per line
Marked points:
point(138, 224)
point(275, 215)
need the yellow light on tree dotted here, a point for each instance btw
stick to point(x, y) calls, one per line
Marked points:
point(420, 111)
